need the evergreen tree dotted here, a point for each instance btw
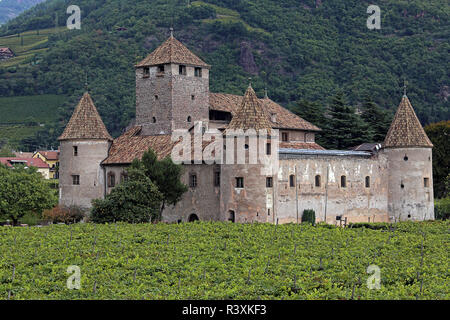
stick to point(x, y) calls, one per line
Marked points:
point(376, 118)
point(346, 128)
point(313, 112)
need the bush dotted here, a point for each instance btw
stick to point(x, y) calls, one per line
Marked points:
point(309, 215)
point(63, 214)
point(442, 209)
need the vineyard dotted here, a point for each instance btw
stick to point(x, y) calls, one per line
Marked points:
point(221, 260)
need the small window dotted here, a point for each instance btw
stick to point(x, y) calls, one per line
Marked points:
point(182, 70)
point(284, 137)
point(75, 151)
point(367, 182)
point(292, 180)
point(269, 182)
point(146, 72)
point(161, 68)
point(111, 180)
point(198, 72)
point(402, 185)
point(318, 181)
point(154, 120)
point(192, 97)
point(76, 180)
point(123, 177)
point(426, 182)
point(405, 158)
point(217, 178)
point(192, 180)
point(268, 212)
point(189, 119)
point(343, 181)
point(268, 148)
point(239, 182)
point(156, 97)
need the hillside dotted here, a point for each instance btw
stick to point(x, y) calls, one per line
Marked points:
point(10, 9)
point(297, 49)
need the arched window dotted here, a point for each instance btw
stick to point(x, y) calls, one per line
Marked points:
point(111, 179)
point(343, 181)
point(367, 182)
point(318, 181)
point(193, 217)
point(189, 119)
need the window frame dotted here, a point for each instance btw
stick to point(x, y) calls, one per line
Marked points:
point(343, 181)
point(317, 181)
point(284, 136)
point(269, 182)
point(182, 69)
point(75, 179)
point(75, 151)
point(367, 182)
point(239, 182)
point(193, 181)
point(111, 179)
point(198, 72)
point(292, 181)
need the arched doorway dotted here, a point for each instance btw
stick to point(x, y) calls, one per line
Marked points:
point(193, 217)
point(231, 216)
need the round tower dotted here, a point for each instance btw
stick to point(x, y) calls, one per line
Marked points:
point(84, 144)
point(410, 178)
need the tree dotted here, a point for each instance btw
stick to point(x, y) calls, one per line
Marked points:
point(135, 200)
point(313, 112)
point(165, 174)
point(376, 118)
point(439, 134)
point(346, 128)
point(23, 190)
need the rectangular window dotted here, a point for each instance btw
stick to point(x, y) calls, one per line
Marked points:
point(75, 151)
point(217, 178)
point(76, 180)
point(268, 148)
point(284, 137)
point(317, 181)
point(367, 182)
point(426, 182)
point(161, 68)
point(146, 72)
point(292, 180)
point(182, 70)
point(239, 182)
point(192, 180)
point(111, 180)
point(343, 181)
point(269, 182)
point(198, 72)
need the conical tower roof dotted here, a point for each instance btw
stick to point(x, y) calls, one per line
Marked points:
point(406, 130)
point(172, 51)
point(85, 122)
point(250, 115)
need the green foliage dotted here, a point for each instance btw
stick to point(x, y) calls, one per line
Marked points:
point(300, 50)
point(346, 128)
point(442, 208)
point(309, 216)
point(23, 190)
point(377, 119)
point(439, 134)
point(6, 151)
point(224, 261)
point(165, 174)
point(135, 200)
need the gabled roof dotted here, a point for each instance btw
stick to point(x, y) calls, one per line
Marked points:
point(251, 114)
point(49, 155)
point(406, 130)
point(284, 119)
point(172, 51)
point(85, 122)
point(32, 162)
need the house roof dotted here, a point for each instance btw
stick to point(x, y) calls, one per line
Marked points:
point(406, 130)
point(21, 154)
point(300, 145)
point(33, 162)
point(85, 122)
point(49, 155)
point(283, 118)
point(250, 114)
point(172, 51)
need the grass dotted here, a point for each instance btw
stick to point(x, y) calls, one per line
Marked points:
point(32, 44)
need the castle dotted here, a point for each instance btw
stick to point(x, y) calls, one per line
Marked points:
point(381, 183)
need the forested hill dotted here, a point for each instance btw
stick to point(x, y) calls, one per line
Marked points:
point(299, 49)
point(12, 8)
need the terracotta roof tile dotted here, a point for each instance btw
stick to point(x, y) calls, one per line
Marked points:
point(172, 51)
point(250, 115)
point(85, 122)
point(50, 155)
point(301, 145)
point(33, 162)
point(284, 119)
point(406, 130)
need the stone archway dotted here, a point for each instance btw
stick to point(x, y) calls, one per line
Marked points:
point(193, 217)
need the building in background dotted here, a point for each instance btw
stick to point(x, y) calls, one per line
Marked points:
point(51, 157)
point(41, 166)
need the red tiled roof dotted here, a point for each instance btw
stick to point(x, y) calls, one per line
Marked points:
point(172, 51)
point(284, 119)
point(33, 162)
point(406, 130)
point(85, 122)
point(301, 145)
point(50, 155)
